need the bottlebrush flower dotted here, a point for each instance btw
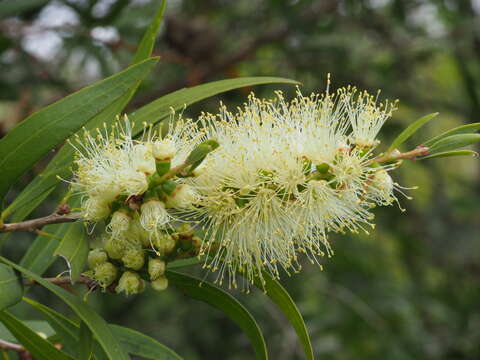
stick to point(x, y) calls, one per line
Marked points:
point(285, 175)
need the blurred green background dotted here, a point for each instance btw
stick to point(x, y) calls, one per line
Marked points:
point(410, 290)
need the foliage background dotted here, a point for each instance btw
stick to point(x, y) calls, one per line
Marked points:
point(410, 290)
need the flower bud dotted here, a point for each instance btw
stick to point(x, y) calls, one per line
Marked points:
point(96, 209)
point(138, 234)
point(115, 248)
point(163, 243)
point(153, 214)
point(119, 223)
point(156, 268)
point(164, 149)
point(96, 257)
point(134, 258)
point(143, 159)
point(182, 197)
point(382, 187)
point(105, 274)
point(160, 284)
point(130, 283)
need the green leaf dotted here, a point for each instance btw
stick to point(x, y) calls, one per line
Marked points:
point(39, 255)
point(95, 323)
point(11, 8)
point(11, 287)
point(40, 348)
point(152, 113)
point(74, 249)
point(450, 154)
point(453, 142)
point(216, 297)
point(40, 132)
point(39, 326)
point(138, 344)
point(64, 327)
point(132, 341)
point(147, 43)
point(410, 130)
point(85, 343)
point(277, 293)
point(44, 184)
point(464, 129)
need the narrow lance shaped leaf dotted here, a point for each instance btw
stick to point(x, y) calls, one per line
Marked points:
point(85, 343)
point(132, 341)
point(147, 43)
point(64, 327)
point(277, 293)
point(60, 165)
point(74, 249)
point(216, 297)
point(464, 129)
point(40, 348)
point(40, 132)
point(138, 344)
point(11, 287)
point(95, 323)
point(38, 326)
point(410, 130)
point(39, 255)
point(454, 142)
point(450, 154)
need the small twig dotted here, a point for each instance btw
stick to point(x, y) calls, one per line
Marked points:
point(65, 280)
point(171, 173)
point(31, 225)
point(396, 155)
point(7, 345)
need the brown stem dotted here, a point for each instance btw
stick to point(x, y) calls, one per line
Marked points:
point(31, 225)
point(7, 345)
point(171, 173)
point(395, 155)
point(65, 280)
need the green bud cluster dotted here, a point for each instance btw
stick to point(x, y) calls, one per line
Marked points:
point(127, 264)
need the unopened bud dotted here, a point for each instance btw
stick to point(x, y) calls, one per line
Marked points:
point(105, 274)
point(153, 214)
point(156, 268)
point(182, 197)
point(96, 209)
point(160, 284)
point(164, 149)
point(96, 257)
point(119, 223)
point(130, 283)
point(143, 159)
point(137, 233)
point(163, 243)
point(115, 248)
point(134, 258)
